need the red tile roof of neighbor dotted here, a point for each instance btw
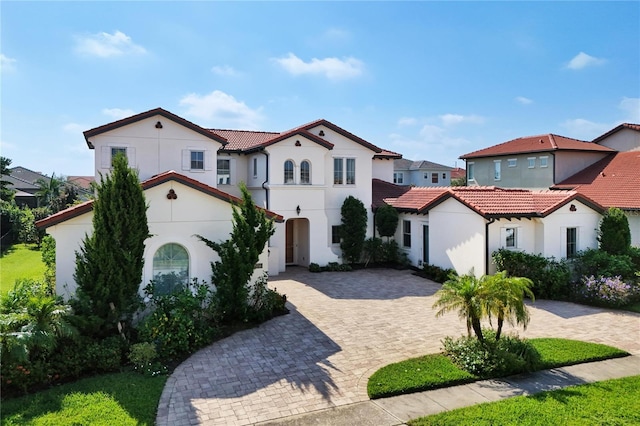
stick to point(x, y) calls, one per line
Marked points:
point(540, 143)
point(489, 201)
point(381, 189)
point(613, 181)
point(616, 129)
point(156, 180)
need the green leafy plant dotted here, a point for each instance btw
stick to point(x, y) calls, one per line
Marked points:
point(353, 229)
point(614, 234)
point(386, 218)
point(436, 273)
point(601, 263)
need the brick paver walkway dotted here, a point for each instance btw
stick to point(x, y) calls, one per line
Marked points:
point(342, 328)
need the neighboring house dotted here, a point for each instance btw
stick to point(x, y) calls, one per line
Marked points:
point(23, 181)
point(460, 227)
point(458, 172)
point(535, 162)
point(303, 175)
point(625, 137)
point(420, 173)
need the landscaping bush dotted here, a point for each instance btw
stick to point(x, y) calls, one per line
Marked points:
point(385, 253)
point(180, 322)
point(607, 291)
point(600, 263)
point(551, 278)
point(265, 303)
point(492, 358)
point(436, 273)
point(314, 267)
point(105, 356)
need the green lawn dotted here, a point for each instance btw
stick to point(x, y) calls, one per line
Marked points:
point(611, 402)
point(437, 371)
point(110, 399)
point(20, 261)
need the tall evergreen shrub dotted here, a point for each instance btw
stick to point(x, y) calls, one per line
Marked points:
point(109, 264)
point(614, 234)
point(353, 230)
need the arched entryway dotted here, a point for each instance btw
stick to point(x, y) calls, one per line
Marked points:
point(297, 242)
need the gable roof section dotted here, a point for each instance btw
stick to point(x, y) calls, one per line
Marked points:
point(616, 129)
point(613, 181)
point(171, 175)
point(144, 115)
point(540, 143)
point(490, 201)
point(24, 179)
point(381, 189)
point(404, 164)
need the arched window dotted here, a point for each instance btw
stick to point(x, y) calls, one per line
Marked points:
point(288, 171)
point(170, 268)
point(305, 175)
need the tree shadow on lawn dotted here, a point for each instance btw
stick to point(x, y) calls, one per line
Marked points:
point(362, 284)
point(287, 349)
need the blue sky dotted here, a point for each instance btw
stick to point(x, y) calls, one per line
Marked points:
point(431, 80)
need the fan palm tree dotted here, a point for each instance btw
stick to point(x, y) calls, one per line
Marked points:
point(48, 189)
point(504, 298)
point(464, 294)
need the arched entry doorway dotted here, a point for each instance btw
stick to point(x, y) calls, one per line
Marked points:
point(297, 242)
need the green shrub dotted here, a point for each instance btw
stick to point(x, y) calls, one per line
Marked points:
point(551, 278)
point(105, 355)
point(492, 358)
point(314, 267)
point(614, 234)
point(180, 322)
point(265, 303)
point(353, 229)
point(436, 273)
point(600, 263)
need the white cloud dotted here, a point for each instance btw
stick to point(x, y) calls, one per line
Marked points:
point(74, 128)
point(583, 129)
point(118, 113)
point(332, 68)
point(453, 119)
point(336, 34)
point(407, 121)
point(105, 45)
point(631, 108)
point(221, 110)
point(582, 60)
point(7, 64)
point(224, 70)
point(522, 100)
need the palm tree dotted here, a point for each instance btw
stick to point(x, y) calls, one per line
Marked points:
point(48, 189)
point(504, 298)
point(464, 294)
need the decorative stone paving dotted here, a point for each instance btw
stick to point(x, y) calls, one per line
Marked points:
point(343, 326)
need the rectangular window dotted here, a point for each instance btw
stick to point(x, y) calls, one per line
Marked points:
point(511, 240)
point(434, 178)
point(406, 233)
point(197, 160)
point(544, 161)
point(255, 168)
point(335, 234)
point(512, 162)
point(532, 162)
point(471, 171)
point(338, 174)
point(426, 176)
point(351, 171)
point(224, 172)
point(116, 150)
point(398, 177)
point(572, 242)
point(444, 176)
point(497, 165)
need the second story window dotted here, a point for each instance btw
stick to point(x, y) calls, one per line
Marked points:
point(497, 169)
point(340, 171)
point(398, 177)
point(305, 173)
point(197, 160)
point(224, 172)
point(255, 168)
point(288, 172)
point(434, 178)
point(512, 162)
point(117, 150)
point(471, 171)
point(532, 162)
point(351, 171)
point(544, 161)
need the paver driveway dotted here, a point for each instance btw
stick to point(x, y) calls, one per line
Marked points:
point(343, 327)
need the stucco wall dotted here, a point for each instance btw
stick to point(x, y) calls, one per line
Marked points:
point(634, 227)
point(383, 169)
point(623, 140)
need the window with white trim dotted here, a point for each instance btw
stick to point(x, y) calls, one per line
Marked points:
point(351, 171)
point(255, 168)
point(532, 162)
point(224, 171)
point(197, 160)
point(572, 243)
point(344, 167)
point(335, 234)
point(511, 238)
point(544, 161)
point(170, 269)
point(338, 171)
point(471, 169)
point(512, 162)
point(434, 178)
point(497, 169)
point(288, 172)
point(406, 233)
point(398, 177)
point(305, 173)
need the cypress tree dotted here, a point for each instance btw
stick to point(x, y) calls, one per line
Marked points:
point(238, 257)
point(614, 235)
point(109, 264)
point(387, 220)
point(353, 229)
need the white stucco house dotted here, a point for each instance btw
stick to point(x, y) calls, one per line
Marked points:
point(190, 175)
point(460, 227)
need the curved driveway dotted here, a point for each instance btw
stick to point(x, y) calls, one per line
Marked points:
point(342, 328)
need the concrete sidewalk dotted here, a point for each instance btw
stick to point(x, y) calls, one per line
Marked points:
point(399, 409)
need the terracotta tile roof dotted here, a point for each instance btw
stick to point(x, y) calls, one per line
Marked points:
point(616, 129)
point(81, 181)
point(490, 201)
point(613, 181)
point(540, 143)
point(87, 206)
point(388, 154)
point(381, 189)
point(144, 115)
point(458, 172)
point(242, 140)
